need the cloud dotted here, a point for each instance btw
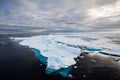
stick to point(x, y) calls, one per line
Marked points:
point(43, 9)
point(74, 14)
point(108, 14)
point(105, 2)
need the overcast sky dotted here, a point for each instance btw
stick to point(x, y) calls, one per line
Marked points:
point(77, 14)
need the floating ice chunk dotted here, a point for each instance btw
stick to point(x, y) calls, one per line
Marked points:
point(58, 51)
point(51, 52)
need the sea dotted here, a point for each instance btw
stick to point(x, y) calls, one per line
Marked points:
point(19, 63)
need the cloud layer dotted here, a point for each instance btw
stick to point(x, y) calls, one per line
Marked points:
point(76, 14)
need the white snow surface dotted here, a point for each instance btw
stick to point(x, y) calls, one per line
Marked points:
point(59, 55)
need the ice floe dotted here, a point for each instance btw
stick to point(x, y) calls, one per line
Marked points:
point(58, 51)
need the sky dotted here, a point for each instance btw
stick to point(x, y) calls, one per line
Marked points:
point(72, 14)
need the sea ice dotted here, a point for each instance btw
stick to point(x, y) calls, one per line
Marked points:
point(51, 52)
point(58, 51)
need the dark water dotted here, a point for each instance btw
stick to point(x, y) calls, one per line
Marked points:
point(18, 63)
